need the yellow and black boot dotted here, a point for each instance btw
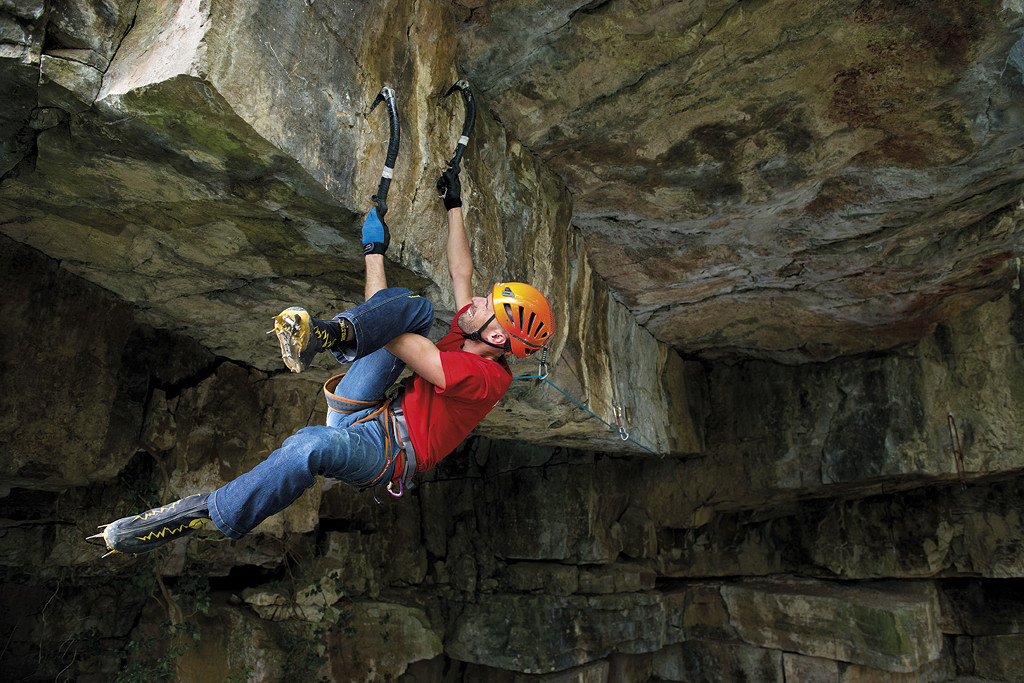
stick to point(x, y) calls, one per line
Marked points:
point(156, 527)
point(302, 337)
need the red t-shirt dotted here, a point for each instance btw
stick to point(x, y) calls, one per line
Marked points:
point(439, 419)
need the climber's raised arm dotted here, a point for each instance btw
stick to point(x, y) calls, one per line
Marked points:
point(418, 352)
point(460, 257)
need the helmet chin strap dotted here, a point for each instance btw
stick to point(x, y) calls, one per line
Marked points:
point(476, 336)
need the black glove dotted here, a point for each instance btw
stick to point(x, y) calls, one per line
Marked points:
point(449, 188)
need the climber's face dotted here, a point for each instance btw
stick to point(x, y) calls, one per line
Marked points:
point(479, 318)
point(479, 311)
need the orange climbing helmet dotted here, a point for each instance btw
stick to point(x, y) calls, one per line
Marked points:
point(525, 315)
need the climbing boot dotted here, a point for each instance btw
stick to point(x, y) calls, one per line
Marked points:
point(294, 333)
point(156, 527)
point(302, 337)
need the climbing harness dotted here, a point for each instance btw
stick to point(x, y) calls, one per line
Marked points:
point(396, 434)
point(467, 126)
point(387, 95)
point(404, 477)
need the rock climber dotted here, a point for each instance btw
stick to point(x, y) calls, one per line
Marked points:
point(371, 440)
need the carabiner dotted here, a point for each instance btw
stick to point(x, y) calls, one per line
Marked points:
point(623, 434)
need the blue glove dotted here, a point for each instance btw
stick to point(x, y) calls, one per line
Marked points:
point(376, 236)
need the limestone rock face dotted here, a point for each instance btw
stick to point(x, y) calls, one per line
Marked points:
point(778, 433)
point(883, 630)
point(784, 179)
point(816, 534)
point(21, 42)
point(162, 173)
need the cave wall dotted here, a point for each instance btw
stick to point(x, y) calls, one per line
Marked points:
point(806, 522)
point(823, 532)
point(786, 179)
point(211, 164)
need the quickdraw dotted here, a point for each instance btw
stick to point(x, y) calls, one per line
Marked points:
point(387, 95)
point(467, 126)
point(542, 371)
point(619, 410)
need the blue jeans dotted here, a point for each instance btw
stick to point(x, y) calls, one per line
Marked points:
point(352, 453)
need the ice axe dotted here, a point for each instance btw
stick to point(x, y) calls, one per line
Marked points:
point(387, 95)
point(467, 126)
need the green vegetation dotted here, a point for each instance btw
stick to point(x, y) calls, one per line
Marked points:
point(140, 668)
point(306, 643)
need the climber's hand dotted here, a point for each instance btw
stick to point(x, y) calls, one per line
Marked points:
point(449, 188)
point(376, 236)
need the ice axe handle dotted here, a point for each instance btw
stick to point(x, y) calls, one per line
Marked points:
point(467, 126)
point(387, 95)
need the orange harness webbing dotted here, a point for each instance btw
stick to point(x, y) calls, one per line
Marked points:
point(385, 414)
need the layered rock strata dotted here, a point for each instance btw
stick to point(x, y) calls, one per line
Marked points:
point(514, 561)
point(173, 174)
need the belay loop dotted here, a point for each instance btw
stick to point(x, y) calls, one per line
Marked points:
point(467, 126)
point(387, 95)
